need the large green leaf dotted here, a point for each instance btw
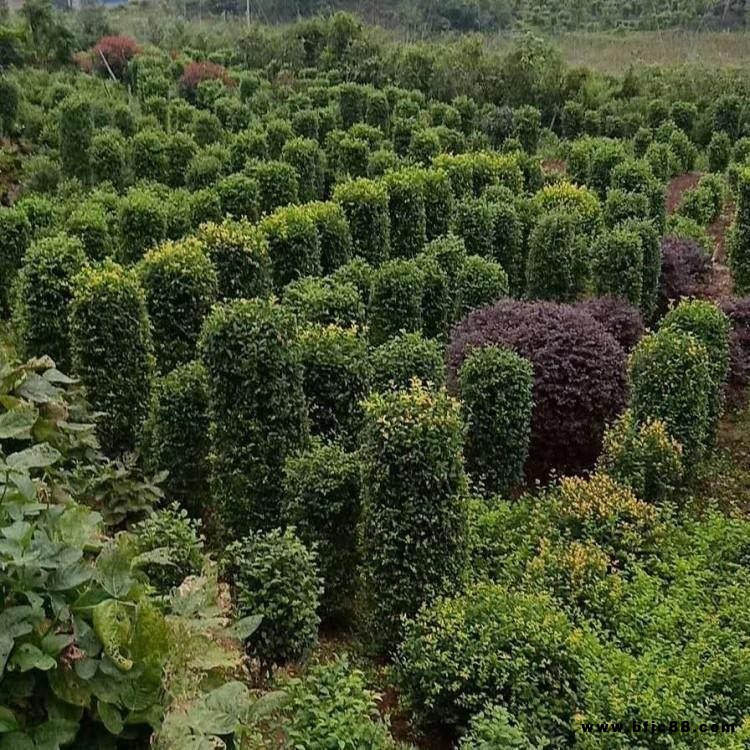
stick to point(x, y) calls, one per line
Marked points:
point(113, 572)
point(27, 657)
point(8, 722)
point(37, 457)
point(17, 423)
point(221, 710)
point(111, 717)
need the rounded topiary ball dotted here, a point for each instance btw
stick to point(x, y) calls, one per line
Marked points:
point(579, 376)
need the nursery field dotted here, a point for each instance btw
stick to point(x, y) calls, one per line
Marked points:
point(363, 394)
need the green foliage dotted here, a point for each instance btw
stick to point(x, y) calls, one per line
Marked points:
point(406, 208)
point(142, 223)
point(334, 236)
point(108, 157)
point(76, 129)
point(148, 156)
point(275, 576)
point(496, 393)
point(238, 195)
point(414, 518)
point(322, 502)
point(437, 301)
point(89, 224)
point(293, 244)
point(325, 301)
point(473, 223)
point(492, 728)
point(711, 328)
point(618, 265)
point(438, 203)
point(461, 654)
point(365, 204)
point(255, 427)
point(305, 156)
point(642, 457)
point(15, 236)
point(396, 363)
point(480, 282)
point(176, 436)
point(278, 184)
point(9, 96)
point(556, 266)
point(43, 295)
point(179, 541)
point(180, 286)
point(395, 300)
point(527, 124)
point(671, 380)
point(240, 255)
point(719, 152)
point(739, 246)
point(336, 380)
point(111, 351)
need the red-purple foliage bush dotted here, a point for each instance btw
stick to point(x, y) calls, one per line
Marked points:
point(684, 271)
point(579, 376)
point(619, 318)
point(118, 52)
point(737, 309)
point(197, 72)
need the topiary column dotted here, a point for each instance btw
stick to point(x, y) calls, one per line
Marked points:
point(76, 128)
point(414, 520)
point(15, 236)
point(257, 408)
point(111, 351)
point(496, 391)
point(739, 246)
point(365, 204)
point(293, 244)
point(395, 300)
point(406, 208)
point(618, 265)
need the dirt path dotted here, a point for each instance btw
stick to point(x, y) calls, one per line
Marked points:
point(719, 285)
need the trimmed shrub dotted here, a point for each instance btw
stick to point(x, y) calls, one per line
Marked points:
point(686, 228)
point(180, 286)
point(643, 457)
point(507, 245)
point(89, 223)
point(685, 270)
point(43, 295)
point(256, 426)
point(671, 380)
point(395, 364)
point(336, 380)
point(406, 209)
point(176, 437)
point(495, 386)
point(239, 253)
point(111, 351)
point(663, 160)
point(15, 237)
point(480, 282)
point(322, 502)
point(365, 204)
point(142, 223)
point(450, 253)
point(278, 184)
point(461, 654)
point(395, 304)
point(41, 174)
point(334, 236)
point(275, 576)
point(438, 203)
point(179, 152)
point(179, 541)
point(414, 519)
point(618, 265)
point(620, 319)
point(325, 301)
point(204, 170)
point(205, 206)
point(556, 265)
point(622, 206)
point(108, 157)
point(305, 156)
point(527, 126)
point(473, 223)
point(711, 328)
point(293, 244)
point(739, 244)
point(9, 96)
point(737, 309)
point(437, 301)
point(76, 129)
point(357, 272)
point(574, 201)
point(41, 212)
point(494, 727)
point(148, 157)
point(330, 707)
point(238, 195)
point(579, 376)
point(719, 152)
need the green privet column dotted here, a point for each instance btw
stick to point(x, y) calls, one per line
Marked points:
point(414, 517)
point(406, 208)
point(180, 285)
point(111, 351)
point(76, 128)
point(15, 236)
point(257, 409)
point(176, 437)
point(44, 293)
point(496, 391)
point(617, 265)
point(365, 204)
point(739, 246)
